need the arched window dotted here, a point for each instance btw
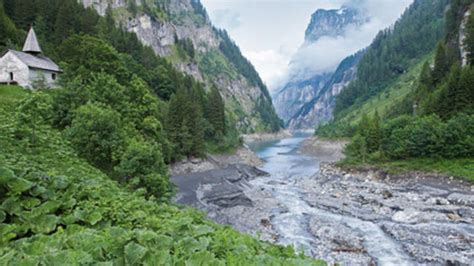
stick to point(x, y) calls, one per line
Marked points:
point(12, 77)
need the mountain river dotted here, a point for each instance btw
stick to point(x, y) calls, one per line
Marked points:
point(350, 218)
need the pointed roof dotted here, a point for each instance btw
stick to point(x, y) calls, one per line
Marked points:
point(31, 43)
point(36, 61)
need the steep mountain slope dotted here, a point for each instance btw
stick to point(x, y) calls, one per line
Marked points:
point(394, 51)
point(291, 98)
point(319, 109)
point(412, 104)
point(181, 31)
point(388, 70)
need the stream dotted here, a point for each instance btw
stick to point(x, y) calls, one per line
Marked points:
point(284, 165)
point(349, 218)
point(287, 168)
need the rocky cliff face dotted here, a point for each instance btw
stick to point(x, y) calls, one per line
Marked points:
point(292, 102)
point(289, 100)
point(319, 109)
point(333, 23)
point(161, 24)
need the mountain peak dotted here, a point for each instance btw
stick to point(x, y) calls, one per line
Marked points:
point(334, 22)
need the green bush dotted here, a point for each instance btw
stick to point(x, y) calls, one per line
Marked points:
point(142, 166)
point(408, 137)
point(97, 134)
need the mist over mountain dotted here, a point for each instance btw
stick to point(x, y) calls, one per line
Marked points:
point(331, 36)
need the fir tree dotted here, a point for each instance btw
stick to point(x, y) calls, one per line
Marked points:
point(441, 67)
point(216, 112)
point(374, 135)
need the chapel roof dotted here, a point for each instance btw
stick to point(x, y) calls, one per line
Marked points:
point(31, 44)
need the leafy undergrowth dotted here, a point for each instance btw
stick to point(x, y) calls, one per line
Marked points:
point(56, 209)
point(460, 168)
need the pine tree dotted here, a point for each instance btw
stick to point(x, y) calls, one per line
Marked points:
point(464, 97)
point(216, 112)
point(66, 21)
point(24, 14)
point(441, 67)
point(374, 136)
point(426, 76)
point(447, 98)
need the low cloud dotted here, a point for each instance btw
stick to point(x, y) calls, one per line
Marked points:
point(326, 54)
point(226, 18)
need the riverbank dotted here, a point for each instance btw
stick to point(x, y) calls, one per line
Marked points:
point(242, 155)
point(340, 215)
point(258, 137)
point(327, 150)
point(460, 168)
point(428, 218)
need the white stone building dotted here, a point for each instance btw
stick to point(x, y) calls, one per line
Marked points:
point(29, 66)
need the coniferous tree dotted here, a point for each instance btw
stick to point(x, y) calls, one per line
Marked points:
point(24, 14)
point(464, 97)
point(216, 112)
point(441, 67)
point(446, 102)
point(374, 134)
point(66, 23)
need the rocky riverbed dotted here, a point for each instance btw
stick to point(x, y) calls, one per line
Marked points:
point(354, 218)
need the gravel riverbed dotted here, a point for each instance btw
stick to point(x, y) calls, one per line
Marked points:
point(353, 218)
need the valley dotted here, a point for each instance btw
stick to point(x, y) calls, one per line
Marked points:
point(357, 218)
point(139, 132)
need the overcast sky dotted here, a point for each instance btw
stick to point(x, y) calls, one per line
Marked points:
point(270, 32)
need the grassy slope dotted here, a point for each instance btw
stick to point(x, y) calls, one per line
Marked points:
point(59, 210)
point(387, 100)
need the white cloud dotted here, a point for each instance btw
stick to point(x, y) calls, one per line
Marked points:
point(325, 54)
point(270, 32)
point(226, 18)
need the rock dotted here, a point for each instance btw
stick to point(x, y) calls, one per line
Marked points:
point(265, 223)
point(437, 201)
point(406, 216)
point(387, 194)
point(454, 217)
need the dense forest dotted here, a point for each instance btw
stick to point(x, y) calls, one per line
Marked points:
point(435, 119)
point(83, 168)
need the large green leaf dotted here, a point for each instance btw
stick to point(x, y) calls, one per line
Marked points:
point(11, 206)
point(3, 215)
point(5, 176)
point(19, 185)
point(203, 258)
point(199, 230)
point(134, 253)
point(94, 217)
point(44, 224)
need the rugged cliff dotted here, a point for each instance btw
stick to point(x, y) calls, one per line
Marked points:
point(320, 108)
point(333, 23)
point(181, 31)
point(304, 102)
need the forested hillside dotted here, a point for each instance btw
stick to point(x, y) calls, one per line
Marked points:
point(58, 209)
point(83, 168)
point(413, 97)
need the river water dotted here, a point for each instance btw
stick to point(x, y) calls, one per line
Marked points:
point(346, 218)
point(286, 166)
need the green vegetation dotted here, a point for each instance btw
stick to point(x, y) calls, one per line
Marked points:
point(57, 209)
point(426, 115)
point(83, 175)
point(394, 50)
